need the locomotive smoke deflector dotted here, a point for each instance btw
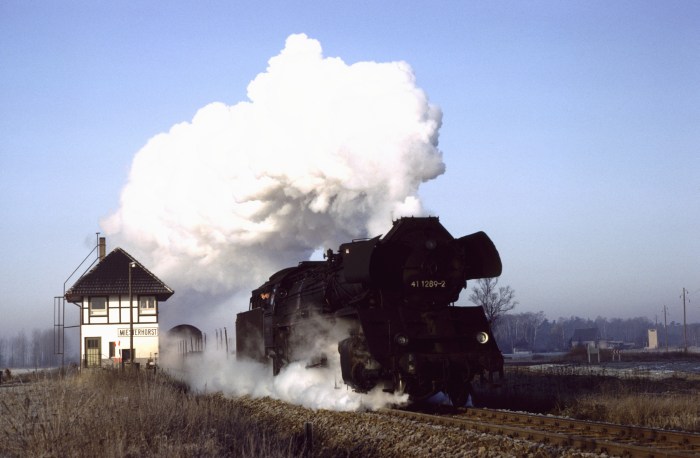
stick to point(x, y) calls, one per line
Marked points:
point(357, 257)
point(483, 260)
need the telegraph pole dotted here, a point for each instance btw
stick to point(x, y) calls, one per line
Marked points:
point(131, 318)
point(685, 327)
point(665, 330)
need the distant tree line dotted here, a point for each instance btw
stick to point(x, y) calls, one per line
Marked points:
point(534, 332)
point(23, 351)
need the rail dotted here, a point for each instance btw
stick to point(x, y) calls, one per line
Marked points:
point(613, 439)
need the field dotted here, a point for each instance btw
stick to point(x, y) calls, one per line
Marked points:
point(139, 413)
point(639, 392)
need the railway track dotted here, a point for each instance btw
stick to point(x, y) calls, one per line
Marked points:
point(612, 439)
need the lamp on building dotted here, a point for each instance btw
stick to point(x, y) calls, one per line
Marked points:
point(131, 317)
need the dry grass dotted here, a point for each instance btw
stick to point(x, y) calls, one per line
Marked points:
point(130, 413)
point(664, 411)
point(587, 393)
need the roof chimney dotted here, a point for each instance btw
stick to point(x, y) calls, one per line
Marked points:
point(102, 247)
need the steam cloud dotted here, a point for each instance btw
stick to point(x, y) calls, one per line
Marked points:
point(315, 388)
point(322, 152)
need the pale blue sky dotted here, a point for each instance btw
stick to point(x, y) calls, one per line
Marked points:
point(571, 130)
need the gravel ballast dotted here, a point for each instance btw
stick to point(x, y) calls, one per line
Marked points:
point(377, 434)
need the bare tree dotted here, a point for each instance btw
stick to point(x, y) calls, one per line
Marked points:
point(531, 323)
point(3, 353)
point(506, 333)
point(494, 299)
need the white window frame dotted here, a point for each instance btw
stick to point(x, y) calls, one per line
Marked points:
point(147, 305)
point(100, 311)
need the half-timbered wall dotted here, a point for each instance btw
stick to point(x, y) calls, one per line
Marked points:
point(106, 324)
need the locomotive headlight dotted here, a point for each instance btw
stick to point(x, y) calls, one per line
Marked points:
point(401, 340)
point(430, 244)
point(482, 337)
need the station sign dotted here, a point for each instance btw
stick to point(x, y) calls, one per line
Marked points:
point(138, 332)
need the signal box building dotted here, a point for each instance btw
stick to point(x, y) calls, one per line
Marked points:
point(117, 295)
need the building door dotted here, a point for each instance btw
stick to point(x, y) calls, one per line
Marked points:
point(93, 357)
point(126, 355)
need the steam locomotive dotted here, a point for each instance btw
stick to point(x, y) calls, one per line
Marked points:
point(389, 304)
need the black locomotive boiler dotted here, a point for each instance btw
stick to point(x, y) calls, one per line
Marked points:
point(388, 305)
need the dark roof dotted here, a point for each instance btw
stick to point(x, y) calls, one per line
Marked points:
point(585, 335)
point(184, 331)
point(111, 277)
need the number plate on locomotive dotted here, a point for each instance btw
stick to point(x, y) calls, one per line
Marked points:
point(428, 284)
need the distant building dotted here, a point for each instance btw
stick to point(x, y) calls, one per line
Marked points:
point(522, 346)
point(653, 339)
point(586, 337)
point(107, 316)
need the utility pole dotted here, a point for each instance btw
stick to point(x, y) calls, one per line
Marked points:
point(665, 330)
point(685, 326)
point(131, 318)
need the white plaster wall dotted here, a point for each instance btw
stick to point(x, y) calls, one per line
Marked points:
point(145, 346)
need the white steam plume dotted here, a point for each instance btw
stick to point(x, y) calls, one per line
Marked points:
point(322, 152)
point(315, 388)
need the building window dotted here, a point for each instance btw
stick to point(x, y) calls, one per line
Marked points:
point(98, 306)
point(147, 304)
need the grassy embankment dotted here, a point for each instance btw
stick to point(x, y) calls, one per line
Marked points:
point(599, 393)
point(129, 413)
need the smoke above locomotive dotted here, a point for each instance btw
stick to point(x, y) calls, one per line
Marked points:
point(319, 152)
point(388, 303)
